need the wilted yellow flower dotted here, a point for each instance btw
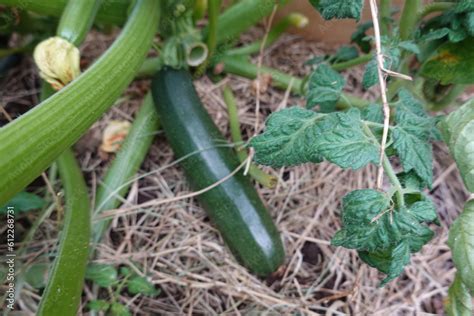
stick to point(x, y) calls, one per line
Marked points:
point(114, 135)
point(58, 61)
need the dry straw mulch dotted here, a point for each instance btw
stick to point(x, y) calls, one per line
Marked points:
point(182, 253)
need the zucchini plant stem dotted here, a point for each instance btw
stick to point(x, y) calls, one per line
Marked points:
point(255, 172)
point(213, 14)
point(385, 16)
point(276, 31)
point(434, 7)
point(409, 18)
point(351, 63)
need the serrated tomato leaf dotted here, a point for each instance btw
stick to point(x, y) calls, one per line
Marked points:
point(339, 9)
point(288, 138)
point(324, 87)
point(415, 154)
point(390, 261)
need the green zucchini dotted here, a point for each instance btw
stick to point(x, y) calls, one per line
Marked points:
point(29, 144)
point(234, 206)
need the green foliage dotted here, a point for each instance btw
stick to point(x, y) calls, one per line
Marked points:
point(459, 299)
point(117, 309)
point(461, 242)
point(360, 36)
point(295, 136)
point(325, 86)
point(98, 305)
point(24, 202)
point(383, 234)
point(451, 63)
point(140, 285)
point(37, 275)
point(458, 131)
point(101, 274)
point(339, 9)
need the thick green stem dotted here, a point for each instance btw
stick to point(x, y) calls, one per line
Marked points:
point(199, 10)
point(255, 172)
point(63, 292)
point(240, 17)
point(213, 14)
point(293, 19)
point(351, 63)
point(110, 12)
point(77, 19)
point(434, 7)
point(409, 18)
point(29, 144)
point(385, 16)
point(118, 177)
point(242, 67)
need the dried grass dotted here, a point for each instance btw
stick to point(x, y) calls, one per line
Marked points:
point(179, 249)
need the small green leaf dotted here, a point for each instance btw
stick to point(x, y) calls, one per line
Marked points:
point(340, 9)
point(325, 86)
point(451, 63)
point(461, 242)
point(415, 154)
point(424, 211)
point(371, 76)
point(410, 180)
point(37, 275)
point(23, 202)
point(459, 299)
point(391, 261)
point(140, 285)
point(117, 309)
point(346, 53)
point(372, 113)
point(288, 138)
point(360, 37)
point(125, 271)
point(101, 274)
point(345, 143)
point(410, 46)
point(98, 305)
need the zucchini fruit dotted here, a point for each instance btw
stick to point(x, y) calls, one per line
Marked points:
point(29, 144)
point(234, 206)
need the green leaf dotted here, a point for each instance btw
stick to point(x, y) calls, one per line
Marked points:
point(451, 63)
point(360, 231)
point(461, 242)
point(346, 53)
point(360, 37)
point(117, 309)
point(37, 275)
point(410, 180)
point(459, 299)
point(390, 261)
point(372, 113)
point(371, 75)
point(458, 132)
point(424, 211)
point(340, 9)
point(415, 154)
point(410, 46)
point(343, 141)
point(101, 274)
point(325, 86)
point(23, 202)
point(288, 138)
point(98, 305)
point(140, 285)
